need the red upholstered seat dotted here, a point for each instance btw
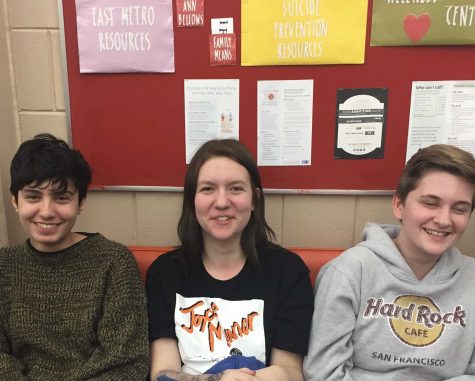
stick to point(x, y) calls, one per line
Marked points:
point(314, 258)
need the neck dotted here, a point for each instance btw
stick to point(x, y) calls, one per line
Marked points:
point(419, 266)
point(223, 261)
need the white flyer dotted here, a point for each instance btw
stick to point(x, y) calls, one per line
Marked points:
point(442, 112)
point(284, 122)
point(211, 111)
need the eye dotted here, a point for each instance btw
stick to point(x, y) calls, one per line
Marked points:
point(237, 189)
point(63, 198)
point(31, 197)
point(430, 204)
point(205, 189)
point(461, 210)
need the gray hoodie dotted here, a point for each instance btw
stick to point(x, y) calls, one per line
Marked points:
point(374, 320)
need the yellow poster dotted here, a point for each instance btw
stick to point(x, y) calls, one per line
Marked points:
point(303, 32)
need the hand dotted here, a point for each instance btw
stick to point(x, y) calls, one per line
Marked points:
point(243, 374)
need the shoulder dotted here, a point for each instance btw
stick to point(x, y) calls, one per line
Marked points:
point(166, 273)
point(282, 268)
point(279, 257)
point(356, 255)
point(351, 263)
point(109, 255)
point(97, 243)
point(466, 271)
point(10, 257)
point(171, 261)
point(98, 240)
point(468, 263)
point(10, 251)
point(11, 254)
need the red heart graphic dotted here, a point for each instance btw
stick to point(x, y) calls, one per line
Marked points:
point(416, 27)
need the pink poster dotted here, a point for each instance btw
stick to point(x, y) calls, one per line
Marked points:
point(120, 36)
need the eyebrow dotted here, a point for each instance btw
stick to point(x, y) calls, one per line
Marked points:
point(67, 191)
point(27, 189)
point(210, 182)
point(52, 191)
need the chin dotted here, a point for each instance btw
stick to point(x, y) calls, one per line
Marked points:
point(437, 252)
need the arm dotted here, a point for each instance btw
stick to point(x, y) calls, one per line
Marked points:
point(166, 365)
point(164, 357)
point(469, 374)
point(10, 367)
point(291, 320)
point(122, 351)
point(284, 366)
point(330, 350)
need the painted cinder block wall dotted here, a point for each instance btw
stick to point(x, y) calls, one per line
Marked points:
point(32, 101)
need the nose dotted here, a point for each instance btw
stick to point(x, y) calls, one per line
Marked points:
point(46, 209)
point(222, 200)
point(443, 217)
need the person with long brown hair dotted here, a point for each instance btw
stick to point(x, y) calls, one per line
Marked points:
point(228, 304)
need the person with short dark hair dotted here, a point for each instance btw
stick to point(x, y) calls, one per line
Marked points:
point(228, 304)
point(72, 305)
point(399, 305)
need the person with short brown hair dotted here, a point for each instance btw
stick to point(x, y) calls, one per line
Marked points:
point(399, 305)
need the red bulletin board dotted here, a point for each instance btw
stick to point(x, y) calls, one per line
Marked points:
point(130, 127)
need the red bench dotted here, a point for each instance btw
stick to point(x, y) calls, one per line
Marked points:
point(313, 258)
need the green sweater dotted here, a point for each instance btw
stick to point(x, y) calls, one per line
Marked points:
point(73, 315)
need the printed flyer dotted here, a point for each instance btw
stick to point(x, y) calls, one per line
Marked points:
point(442, 112)
point(211, 111)
point(361, 123)
point(284, 122)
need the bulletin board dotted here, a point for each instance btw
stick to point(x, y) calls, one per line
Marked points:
point(131, 126)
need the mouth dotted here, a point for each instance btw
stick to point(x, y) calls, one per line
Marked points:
point(46, 225)
point(222, 218)
point(436, 233)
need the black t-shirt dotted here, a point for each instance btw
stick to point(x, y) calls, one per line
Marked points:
point(263, 307)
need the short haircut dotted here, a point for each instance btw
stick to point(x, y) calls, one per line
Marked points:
point(256, 235)
point(438, 157)
point(47, 158)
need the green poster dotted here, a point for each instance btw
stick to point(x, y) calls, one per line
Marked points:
point(423, 22)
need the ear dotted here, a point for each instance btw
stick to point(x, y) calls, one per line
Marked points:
point(81, 205)
point(14, 203)
point(398, 207)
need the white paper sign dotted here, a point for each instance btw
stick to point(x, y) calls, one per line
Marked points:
point(284, 124)
point(442, 112)
point(219, 26)
point(211, 111)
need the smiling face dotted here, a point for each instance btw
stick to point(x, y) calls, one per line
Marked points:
point(433, 216)
point(223, 200)
point(48, 215)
